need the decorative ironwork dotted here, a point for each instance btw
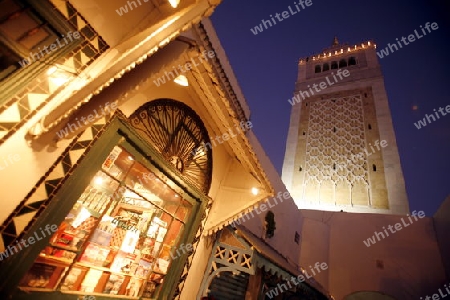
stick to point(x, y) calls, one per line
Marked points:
point(177, 132)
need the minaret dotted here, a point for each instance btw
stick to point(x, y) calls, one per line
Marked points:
point(341, 150)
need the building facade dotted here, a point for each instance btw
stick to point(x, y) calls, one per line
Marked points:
point(130, 160)
point(341, 151)
point(343, 170)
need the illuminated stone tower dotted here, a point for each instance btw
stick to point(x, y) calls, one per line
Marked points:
point(341, 151)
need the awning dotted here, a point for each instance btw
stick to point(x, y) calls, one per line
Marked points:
point(272, 261)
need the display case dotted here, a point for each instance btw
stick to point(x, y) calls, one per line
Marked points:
point(117, 238)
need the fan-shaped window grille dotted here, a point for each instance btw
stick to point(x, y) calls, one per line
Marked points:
point(178, 133)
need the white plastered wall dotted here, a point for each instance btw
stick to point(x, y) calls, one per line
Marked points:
point(410, 258)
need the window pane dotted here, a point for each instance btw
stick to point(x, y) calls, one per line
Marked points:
point(118, 163)
point(121, 236)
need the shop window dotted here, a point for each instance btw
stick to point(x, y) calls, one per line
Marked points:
point(119, 237)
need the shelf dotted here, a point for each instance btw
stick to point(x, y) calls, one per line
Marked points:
point(64, 248)
point(93, 213)
point(58, 261)
point(159, 273)
point(99, 294)
point(30, 289)
point(108, 270)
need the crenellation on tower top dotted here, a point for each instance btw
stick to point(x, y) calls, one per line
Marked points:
point(337, 50)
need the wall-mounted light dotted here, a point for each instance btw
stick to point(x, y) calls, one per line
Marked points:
point(52, 70)
point(255, 191)
point(181, 80)
point(174, 3)
point(60, 74)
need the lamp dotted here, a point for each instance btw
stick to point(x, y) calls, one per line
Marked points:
point(174, 3)
point(181, 80)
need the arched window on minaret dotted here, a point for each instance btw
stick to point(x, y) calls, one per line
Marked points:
point(318, 69)
point(352, 61)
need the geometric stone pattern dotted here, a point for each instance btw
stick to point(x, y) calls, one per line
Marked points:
point(335, 136)
point(35, 202)
point(335, 133)
point(29, 209)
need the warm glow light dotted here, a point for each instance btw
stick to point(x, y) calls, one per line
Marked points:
point(98, 180)
point(181, 80)
point(255, 191)
point(368, 43)
point(51, 70)
point(59, 80)
point(174, 3)
point(130, 157)
point(59, 76)
point(154, 33)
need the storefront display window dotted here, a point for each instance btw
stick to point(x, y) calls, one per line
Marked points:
point(118, 238)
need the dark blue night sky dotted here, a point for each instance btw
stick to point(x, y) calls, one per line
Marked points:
point(416, 76)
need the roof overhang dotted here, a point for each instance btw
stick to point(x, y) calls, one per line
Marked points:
point(116, 62)
point(212, 79)
point(273, 262)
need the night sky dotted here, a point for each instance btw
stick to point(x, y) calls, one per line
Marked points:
point(416, 76)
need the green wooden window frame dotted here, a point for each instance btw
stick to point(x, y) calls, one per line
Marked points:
point(119, 132)
point(19, 78)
